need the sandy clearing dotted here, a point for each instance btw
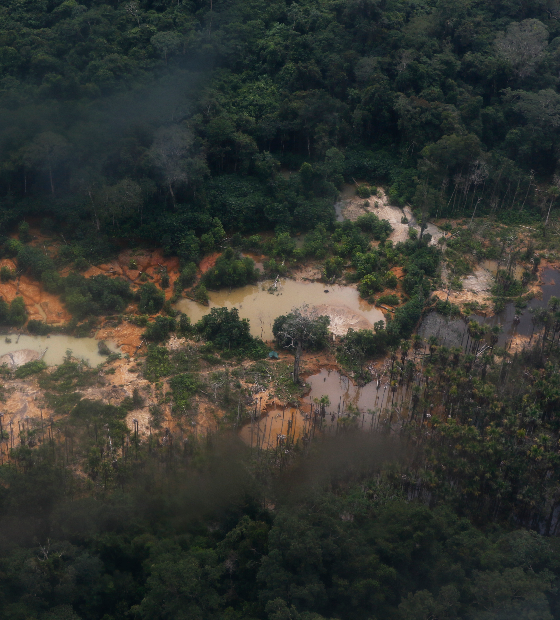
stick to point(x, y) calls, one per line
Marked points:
point(353, 207)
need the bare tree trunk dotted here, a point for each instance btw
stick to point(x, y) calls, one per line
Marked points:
point(172, 194)
point(527, 193)
point(297, 360)
point(475, 206)
point(51, 180)
point(94, 211)
point(516, 190)
point(547, 216)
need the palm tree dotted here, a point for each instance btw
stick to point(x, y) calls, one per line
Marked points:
point(494, 336)
point(432, 344)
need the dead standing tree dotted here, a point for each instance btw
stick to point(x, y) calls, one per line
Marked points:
point(301, 329)
point(169, 153)
point(523, 45)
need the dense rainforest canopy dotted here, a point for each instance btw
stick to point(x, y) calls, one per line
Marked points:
point(185, 123)
point(151, 118)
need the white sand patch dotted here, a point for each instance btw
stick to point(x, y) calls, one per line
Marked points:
point(19, 358)
point(342, 319)
point(354, 207)
point(480, 281)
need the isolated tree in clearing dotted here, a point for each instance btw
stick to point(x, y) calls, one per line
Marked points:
point(302, 328)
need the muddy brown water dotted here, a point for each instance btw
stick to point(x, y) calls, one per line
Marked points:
point(377, 403)
point(366, 405)
point(55, 347)
point(347, 398)
point(492, 267)
point(273, 429)
point(261, 307)
point(341, 391)
point(505, 319)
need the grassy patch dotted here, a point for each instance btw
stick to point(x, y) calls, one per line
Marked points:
point(157, 363)
point(31, 368)
point(68, 377)
point(183, 388)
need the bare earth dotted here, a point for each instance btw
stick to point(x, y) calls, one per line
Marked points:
point(18, 358)
point(354, 207)
point(476, 288)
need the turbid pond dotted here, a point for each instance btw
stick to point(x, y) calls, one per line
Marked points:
point(55, 347)
point(274, 427)
point(363, 407)
point(376, 403)
point(493, 265)
point(255, 302)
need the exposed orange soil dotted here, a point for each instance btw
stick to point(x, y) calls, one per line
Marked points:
point(314, 362)
point(150, 262)
point(459, 298)
point(40, 305)
point(208, 262)
point(44, 306)
point(126, 336)
point(309, 271)
point(518, 343)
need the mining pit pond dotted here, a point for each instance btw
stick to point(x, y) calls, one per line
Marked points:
point(492, 267)
point(55, 347)
point(363, 404)
point(375, 402)
point(262, 303)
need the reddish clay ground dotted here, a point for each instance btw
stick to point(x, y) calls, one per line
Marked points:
point(208, 262)
point(47, 307)
point(126, 336)
point(40, 305)
point(149, 262)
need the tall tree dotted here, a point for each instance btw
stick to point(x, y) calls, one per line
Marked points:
point(168, 155)
point(302, 328)
point(47, 151)
point(523, 45)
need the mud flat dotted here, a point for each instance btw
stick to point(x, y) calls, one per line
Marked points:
point(19, 358)
point(261, 305)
